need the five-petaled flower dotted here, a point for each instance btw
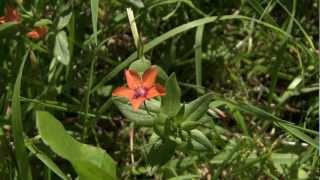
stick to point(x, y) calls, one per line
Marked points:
point(37, 32)
point(140, 88)
point(10, 15)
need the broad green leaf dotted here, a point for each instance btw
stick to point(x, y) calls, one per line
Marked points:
point(89, 162)
point(140, 117)
point(161, 152)
point(197, 108)
point(170, 103)
point(46, 160)
point(140, 65)
point(201, 138)
point(64, 20)
point(189, 125)
point(43, 22)
point(94, 15)
point(24, 170)
point(61, 48)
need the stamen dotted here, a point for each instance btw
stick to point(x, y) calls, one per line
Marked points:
point(140, 92)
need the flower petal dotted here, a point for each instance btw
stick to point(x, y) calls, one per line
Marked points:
point(33, 35)
point(37, 32)
point(156, 90)
point(123, 92)
point(12, 14)
point(133, 79)
point(136, 103)
point(149, 77)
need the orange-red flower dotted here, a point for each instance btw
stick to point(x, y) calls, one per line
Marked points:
point(37, 33)
point(140, 88)
point(11, 15)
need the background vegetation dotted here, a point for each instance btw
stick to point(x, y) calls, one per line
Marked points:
point(259, 58)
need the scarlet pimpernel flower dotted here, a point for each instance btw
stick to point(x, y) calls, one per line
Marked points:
point(11, 14)
point(37, 32)
point(139, 88)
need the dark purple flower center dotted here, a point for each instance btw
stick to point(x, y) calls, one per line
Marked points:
point(140, 92)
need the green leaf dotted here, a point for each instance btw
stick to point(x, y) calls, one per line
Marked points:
point(197, 108)
point(94, 15)
point(189, 125)
point(64, 20)
point(46, 160)
point(280, 159)
point(161, 152)
point(201, 138)
point(61, 48)
point(7, 25)
point(140, 117)
point(89, 162)
point(24, 170)
point(43, 22)
point(170, 103)
point(140, 65)
point(104, 91)
point(299, 134)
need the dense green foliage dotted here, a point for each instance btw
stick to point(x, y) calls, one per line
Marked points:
point(241, 80)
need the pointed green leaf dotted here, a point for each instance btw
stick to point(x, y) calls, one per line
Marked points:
point(94, 15)
point(201, 138)
point(140, 65)
point(43, 22)
point(197, 108)
point(170, 103)
point(61, 48)
point(89, 162)
point(140, 117)
point(64, 20)
point(24, 170)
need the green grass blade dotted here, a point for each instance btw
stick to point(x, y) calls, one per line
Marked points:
point(294, 8)
point(17, 129)
point(299, 134)
point(198, 55)
point(187, 2)
point(94, 15)
point(87, 101)
point(308, 38)
point(255, 5)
